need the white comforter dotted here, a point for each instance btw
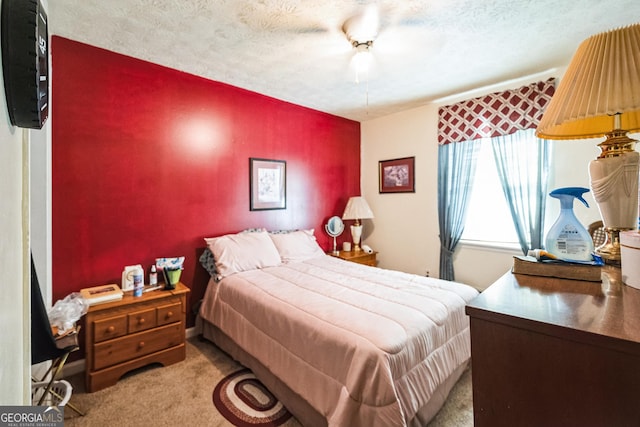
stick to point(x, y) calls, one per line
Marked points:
point(364, 346)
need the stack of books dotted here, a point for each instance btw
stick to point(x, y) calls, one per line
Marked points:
point(102, 293)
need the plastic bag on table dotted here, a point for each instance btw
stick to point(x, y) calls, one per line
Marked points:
point(66, 312)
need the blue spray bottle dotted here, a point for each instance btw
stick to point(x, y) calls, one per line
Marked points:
point(568, 239)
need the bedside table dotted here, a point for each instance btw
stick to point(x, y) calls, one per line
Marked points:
point(133, 332)
point(360, 257)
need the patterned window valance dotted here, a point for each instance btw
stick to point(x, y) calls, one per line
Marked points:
point(496, 114)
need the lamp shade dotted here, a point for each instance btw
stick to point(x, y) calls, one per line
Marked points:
point(357, 208)
point(602, 80)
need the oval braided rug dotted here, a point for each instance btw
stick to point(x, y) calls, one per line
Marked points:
point(242, 399)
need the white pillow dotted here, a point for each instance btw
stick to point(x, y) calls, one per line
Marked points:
point(297, 245)
point(234, 253)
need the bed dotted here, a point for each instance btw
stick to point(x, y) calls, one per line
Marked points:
point(339, 343)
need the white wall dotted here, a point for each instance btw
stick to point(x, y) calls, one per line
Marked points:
point(405, 227)
point(14, 303)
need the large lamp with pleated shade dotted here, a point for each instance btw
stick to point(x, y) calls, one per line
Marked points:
point(599, 96)
point(357, 209)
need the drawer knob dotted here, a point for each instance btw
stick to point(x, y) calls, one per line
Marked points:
point(169, 314)
point(111, 328)
point(141, 320)
point(141, 344)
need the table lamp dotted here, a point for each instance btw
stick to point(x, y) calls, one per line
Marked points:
point(600, 96)
point(357, 208)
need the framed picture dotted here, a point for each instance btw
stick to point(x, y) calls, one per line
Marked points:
point(268, 184)
point(397, 175)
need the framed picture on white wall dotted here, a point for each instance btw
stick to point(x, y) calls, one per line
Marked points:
point(397, 175)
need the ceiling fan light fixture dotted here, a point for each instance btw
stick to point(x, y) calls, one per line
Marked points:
point(362, 59)
point(362, 46)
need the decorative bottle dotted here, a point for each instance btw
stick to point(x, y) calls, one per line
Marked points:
point(153, 276)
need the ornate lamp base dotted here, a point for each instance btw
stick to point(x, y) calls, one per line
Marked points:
point(610, 249)
point(614, 182)
point(356, 233)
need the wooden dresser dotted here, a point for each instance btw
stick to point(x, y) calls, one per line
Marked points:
point(361, 257)
point(134, 332)
point(556, 352)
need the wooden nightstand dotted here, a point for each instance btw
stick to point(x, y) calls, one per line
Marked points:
point(361, 257)
point(134, 332)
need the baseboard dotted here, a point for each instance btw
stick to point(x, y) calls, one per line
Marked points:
point(72, 368)
point(78, 366)
point(192, 332)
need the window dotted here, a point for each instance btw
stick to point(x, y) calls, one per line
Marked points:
point(501, 116)
point(488, 217)
point(525, 162)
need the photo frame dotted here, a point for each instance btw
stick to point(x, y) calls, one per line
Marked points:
point(267, 184)
point(397, 175)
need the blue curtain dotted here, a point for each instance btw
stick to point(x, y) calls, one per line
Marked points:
point(523, 166)
point(456, 171)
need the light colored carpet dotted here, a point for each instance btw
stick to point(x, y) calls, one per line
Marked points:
point(458, 409)
point(180, 394)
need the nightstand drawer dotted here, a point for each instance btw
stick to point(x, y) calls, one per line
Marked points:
point(113, 327)
point(369, 259)
point(142, 320)
point(169, 313)
point(360, 257)
point(129, 347)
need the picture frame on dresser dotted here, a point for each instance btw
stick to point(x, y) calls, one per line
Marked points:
point(267, 184)
point(397, 175)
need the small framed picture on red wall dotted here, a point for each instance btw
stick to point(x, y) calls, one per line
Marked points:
point(397, 175)
point(268, 184)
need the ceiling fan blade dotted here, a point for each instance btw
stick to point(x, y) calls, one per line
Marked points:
point(363, 26)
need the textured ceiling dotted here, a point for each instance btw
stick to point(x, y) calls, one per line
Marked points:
point(295, 50)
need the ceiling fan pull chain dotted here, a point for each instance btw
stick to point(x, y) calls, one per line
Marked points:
point(367, 96)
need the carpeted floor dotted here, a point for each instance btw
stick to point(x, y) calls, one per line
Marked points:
point(458, 409)
point(181, 394)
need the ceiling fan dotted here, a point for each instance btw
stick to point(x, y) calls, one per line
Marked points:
point(361, 30)
point(371, 22)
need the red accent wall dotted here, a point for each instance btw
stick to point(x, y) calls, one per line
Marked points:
point(147, 161)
